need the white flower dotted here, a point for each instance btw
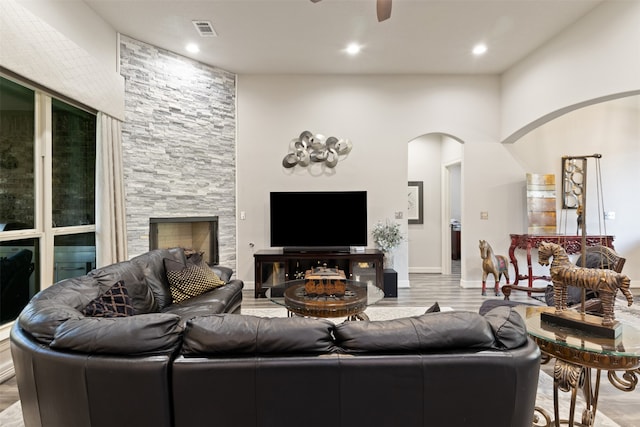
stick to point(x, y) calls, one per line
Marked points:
point(387, 235)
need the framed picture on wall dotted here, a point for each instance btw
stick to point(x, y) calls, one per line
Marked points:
point(415, 210)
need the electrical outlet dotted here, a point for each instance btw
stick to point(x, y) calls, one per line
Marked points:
point(484, 215)
point(399, 215)
point(609, 215)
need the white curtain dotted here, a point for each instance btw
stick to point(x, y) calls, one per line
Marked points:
point(111, 227)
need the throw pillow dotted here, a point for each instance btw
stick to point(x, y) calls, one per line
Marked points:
point(115, 302)
point(190, 280)
point(435, 308)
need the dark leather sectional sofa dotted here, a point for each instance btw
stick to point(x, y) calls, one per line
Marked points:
point(200, 364)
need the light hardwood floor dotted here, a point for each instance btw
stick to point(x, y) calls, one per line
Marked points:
point(621, 407)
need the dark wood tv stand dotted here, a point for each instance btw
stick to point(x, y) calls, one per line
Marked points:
point(273, 266)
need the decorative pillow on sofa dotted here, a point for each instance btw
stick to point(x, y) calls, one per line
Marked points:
point(508, 327)
point(190, 280)
point(113, 303)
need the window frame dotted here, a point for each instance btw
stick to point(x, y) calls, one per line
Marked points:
point(43, 229)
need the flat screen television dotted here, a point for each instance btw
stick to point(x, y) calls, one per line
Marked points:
point(318, 220)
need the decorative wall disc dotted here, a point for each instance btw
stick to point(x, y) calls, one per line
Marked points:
point(316, 148)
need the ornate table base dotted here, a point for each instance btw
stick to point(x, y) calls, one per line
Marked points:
point(568, 377)
point(571, 378)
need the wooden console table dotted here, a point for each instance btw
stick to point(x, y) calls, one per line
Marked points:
point(571, 244)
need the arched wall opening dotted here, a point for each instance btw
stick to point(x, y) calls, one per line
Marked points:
point(609, 126)
point(519, 134)
point(435, 161)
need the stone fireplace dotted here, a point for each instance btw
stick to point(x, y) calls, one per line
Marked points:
point(197, 233)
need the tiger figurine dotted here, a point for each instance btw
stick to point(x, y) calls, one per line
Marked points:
point(564, 273)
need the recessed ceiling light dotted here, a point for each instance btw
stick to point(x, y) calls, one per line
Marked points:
point(192, 48)
point(353, 49)
point(480, 49)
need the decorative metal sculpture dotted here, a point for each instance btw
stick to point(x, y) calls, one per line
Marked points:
point(492, 264)
point(573, 181)
point(308, 148)
point(564, 273)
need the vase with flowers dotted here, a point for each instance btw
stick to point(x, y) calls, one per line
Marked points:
point(387, 237)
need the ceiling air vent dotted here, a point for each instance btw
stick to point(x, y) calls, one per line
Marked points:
point(205, 29)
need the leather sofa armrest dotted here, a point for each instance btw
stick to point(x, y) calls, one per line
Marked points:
point(222, 272)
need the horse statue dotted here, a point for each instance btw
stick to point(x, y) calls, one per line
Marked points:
point(564, 273)
point(492, 264)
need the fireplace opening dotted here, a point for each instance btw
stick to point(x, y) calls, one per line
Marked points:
point(197, 233)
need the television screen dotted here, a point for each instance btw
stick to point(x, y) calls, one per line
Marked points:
point(318, 219)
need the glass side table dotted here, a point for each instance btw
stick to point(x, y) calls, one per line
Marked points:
point(578, 356)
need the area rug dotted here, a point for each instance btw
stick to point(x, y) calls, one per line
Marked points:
point(12, 416)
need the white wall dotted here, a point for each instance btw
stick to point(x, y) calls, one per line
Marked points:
point(78, 22)
point(64, 47)
point(491, 182)
point(380, 114)
point(598, 57)
point(427, 157)
point(455, 196)
point(612, 129)
point(424, 239)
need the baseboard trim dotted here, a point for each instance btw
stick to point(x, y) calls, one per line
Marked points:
point(429, 270)
point(6, 363)
point(472, 284)
point(7, 373)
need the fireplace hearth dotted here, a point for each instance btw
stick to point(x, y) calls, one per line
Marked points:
point(197, 233)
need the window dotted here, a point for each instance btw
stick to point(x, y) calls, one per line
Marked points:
point(47, 193)
point(17, 139)
point(73, 165)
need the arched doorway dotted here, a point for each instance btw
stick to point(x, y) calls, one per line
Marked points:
point(435, 161)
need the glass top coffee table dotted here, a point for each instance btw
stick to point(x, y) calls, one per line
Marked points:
point(350, 302)
point(577, 354)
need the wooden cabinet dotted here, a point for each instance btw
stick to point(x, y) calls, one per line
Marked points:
point(273, 266)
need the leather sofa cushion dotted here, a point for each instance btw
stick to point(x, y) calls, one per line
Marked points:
point(153, 333)
point(242, 334)
point(132, 275)
point(428, 332)
point(508, 327)
point(224, 273)
point(53, 306)
point(217, 301)
point(145, 278)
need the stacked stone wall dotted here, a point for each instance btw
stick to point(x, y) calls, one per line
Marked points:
point(178, 143)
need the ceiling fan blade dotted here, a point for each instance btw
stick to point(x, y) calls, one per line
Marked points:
point(383, 7)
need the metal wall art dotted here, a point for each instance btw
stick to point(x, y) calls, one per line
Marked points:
point(572, 182)
point(309, 148)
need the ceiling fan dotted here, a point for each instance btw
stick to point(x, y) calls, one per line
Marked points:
point(383, 8)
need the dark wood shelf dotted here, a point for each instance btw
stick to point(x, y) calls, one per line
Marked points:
point(274, 266)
